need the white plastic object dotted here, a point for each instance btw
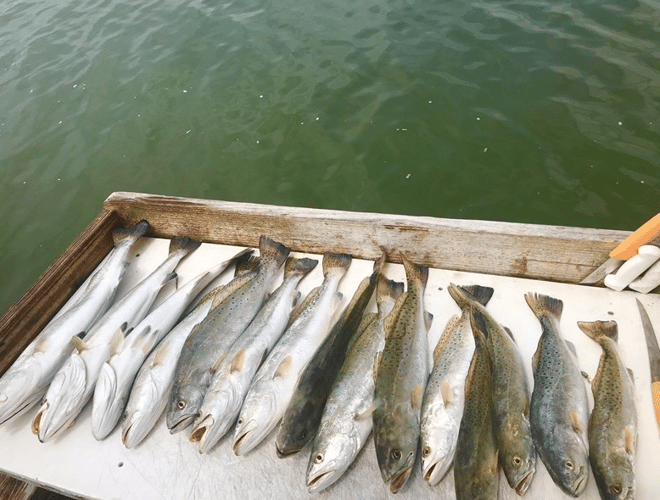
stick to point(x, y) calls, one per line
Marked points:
point(648, 281)
point(646, 256)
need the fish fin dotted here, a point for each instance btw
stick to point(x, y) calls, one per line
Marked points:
point(339, 261)
point(595, 382)
point(284, 367)
point(586, 376)
point(366, 413)
point(536, 356)
point(303, 305)
point(478, 293)
point(508, 330)
point(296, 299)
point(79, 343)
point(338, 298)
point(576, 425)
point(139, 229)
point(299, 267)
point(263, 358)
point(631, 374)
point(415, 272)
point(386, 289)
point(445, 390)
point(460, 297)
point(571, 346)
point(543, 305)
point(238, 361)
point(597, 330)
point(145, 345)
point(629, 441)
point(428, 320)
point(391, 318)
point(184, 244)
point(416, 397)
point(171, 277)
point(377, 359)
point(117, 342)
point(159, 357)
point(478, 323)
point(246, 263)
point(217, 364)
point(272, 252)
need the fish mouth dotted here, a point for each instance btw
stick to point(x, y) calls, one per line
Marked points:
point(399, 480)
point(182, 423)
point(521, 487)
point(239, 442)
point(201, 432)
point(320, 481)
point(127, 434)
point(580, 483)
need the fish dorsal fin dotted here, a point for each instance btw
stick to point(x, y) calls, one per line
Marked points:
point(416, 397)
point(377, 358)
point(238, 361)
point(428, 320)
point(117, 342)
point(576, 425)
point(161, 353)
point(79, 344)
point(284, 367)
point(303, 305)
point(366, 413)
point(445, 390)
point(629, 441)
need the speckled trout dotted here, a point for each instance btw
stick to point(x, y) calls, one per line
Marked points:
point(444, 397)
point(276, 380)
point(74, 383)
point(347, 417)
point(26, 381)
point(208, 344)
point(559, 407)
point(401, 376)
point(613, 421)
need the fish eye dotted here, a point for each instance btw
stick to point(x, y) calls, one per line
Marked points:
point(616, 488)
point(181, 404)
point(396, 454)
point(517, 461)
point(303, 435)
point(318, 458)
point(569, 464)
point(240, 421)
point(426, 451)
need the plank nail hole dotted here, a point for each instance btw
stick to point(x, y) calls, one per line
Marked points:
point(610, 313)
point(120, 464)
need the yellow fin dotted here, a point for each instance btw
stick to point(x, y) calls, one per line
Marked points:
point(416, 397)
point(79, 344)
point(445, 390)
point(575, 421)
point(237, 362)
point(217, 364)
point(284, 367)
point(160, 355)
point(117, 342)
point(366, 413)
point(377, 357)
point(629, 441)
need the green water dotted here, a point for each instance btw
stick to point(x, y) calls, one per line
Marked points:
point(536, 111)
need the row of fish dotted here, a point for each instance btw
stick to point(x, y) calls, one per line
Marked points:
point(247, 356)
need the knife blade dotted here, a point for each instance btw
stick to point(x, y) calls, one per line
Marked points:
point(654, 359)
point(625, 250)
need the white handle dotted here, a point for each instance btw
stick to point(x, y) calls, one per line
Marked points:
point(633, 267)
point(649, 281)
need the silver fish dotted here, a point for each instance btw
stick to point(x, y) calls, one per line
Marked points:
point(400, 380)
point(276, 380)
point(118, 373)
point(74, 383)
point(231, 382)
point(208, 344)
point(346, 422)
point(444, 397)
point(559, 407)
point(613, 421)
point(26, 381)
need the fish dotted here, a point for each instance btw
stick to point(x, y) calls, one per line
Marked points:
point(613, 421)
point(347, 421)
point(73, 385)
point(303, 414)
point(149, 394)
point(510, 402)
point(401, 374)
point(444, 397)
point(275, 381)
point(118, 373)
point(476, 466)
point(208, 344)
point(559, 406)
point(231, 381)
point(26, 380)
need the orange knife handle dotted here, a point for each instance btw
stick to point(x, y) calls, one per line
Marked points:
point(655, 391)
point(628, 248)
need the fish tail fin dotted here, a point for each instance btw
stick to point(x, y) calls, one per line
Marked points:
point(246, 263)
point(133, 233)
point(543, 305)
point(597, 330)
point(299, 267)
point(459, 295)
point(388, 289)
point(415, 272)
point(185, 245)
point(478, 293)
point(272, 252)
point(339, 261)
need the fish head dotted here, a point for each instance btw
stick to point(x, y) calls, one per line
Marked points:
point(133, 429)
point(295, 433)
point(396, 446)
point(330, 458)
point(19, 390)
point(438, 442)
point(107, 404)
point(518, 459)
point(568, 461)
point(616, 480)
point(183, 405)
point(257, 418)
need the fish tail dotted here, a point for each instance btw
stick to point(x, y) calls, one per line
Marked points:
point(478, 323)
point(478, 293)
point(122, 233)
point(299, 267)
point(333, 261)
point(185, 245)
point(597, 330)
point(543, 305)
point(272, 251)
point(415, 272)
point(388, 288)
point(459, 295)
point(245, 263)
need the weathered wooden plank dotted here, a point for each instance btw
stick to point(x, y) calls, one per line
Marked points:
point(25, 318)
point(15, 489)
point(553, 253)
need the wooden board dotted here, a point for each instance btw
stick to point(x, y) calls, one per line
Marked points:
point(169, 467)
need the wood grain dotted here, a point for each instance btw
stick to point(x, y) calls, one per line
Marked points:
point(25, 319)
point(552, 253)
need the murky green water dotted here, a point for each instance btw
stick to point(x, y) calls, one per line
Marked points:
point(536, 111)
